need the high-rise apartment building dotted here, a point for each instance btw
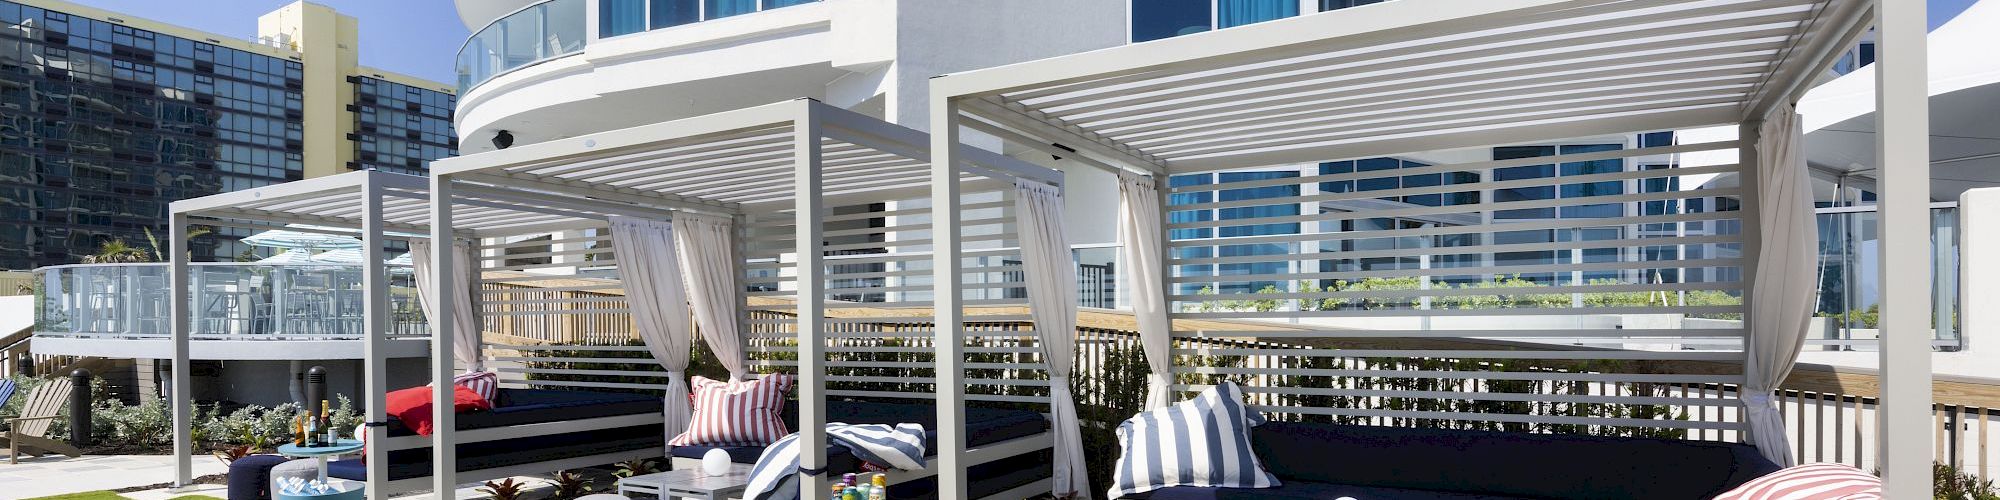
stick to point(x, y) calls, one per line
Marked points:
point(106, 118)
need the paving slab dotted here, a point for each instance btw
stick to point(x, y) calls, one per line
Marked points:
point(56, 474)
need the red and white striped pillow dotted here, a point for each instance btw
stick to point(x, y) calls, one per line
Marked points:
point(487, 384)
point(746, 413)
point(1821, 481)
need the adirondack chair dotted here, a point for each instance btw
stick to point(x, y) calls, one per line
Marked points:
point(29, 431)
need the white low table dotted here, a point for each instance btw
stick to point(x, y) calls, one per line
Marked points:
point(689, 483)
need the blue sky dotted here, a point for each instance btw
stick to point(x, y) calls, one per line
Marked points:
point(416, 37)
point(421, 37)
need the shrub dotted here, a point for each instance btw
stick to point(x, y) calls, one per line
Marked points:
point(1950, 483)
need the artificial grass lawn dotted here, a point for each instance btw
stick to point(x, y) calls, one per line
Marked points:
point(107, 495)
point(88, 495)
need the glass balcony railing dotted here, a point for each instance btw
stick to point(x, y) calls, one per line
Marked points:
point(624, 17)
point(531, 35)
point(230, 301)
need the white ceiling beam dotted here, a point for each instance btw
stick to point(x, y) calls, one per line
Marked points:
point(1387, 21)
point(1434, 140)
point(1837, 28)
point(621, 140)
point(1033, 123)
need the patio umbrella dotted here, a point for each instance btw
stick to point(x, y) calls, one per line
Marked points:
point(293, 256)
point(280, 238)
point(341, 256)
point(353, 256)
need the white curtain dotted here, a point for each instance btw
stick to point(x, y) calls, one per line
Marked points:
point(1050, 270)
point(1139, 243)
point(1781, 296)
point(650, 271)
point(706, 244)
point(466, 334)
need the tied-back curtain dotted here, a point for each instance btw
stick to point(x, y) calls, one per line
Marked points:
point(1050, 270)
point(466, 333)
point(1140, 240)
point(1781, 296)
point(706, 244)
point(650, 271)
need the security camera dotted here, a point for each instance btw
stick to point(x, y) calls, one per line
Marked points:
point(503, 139)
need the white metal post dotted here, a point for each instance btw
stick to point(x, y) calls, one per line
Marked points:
point(179, 390)
point(947, 276)
point(809, 210)
point(375, 319)
point(1902, 145)
point(1749, 217)
point(444, 453)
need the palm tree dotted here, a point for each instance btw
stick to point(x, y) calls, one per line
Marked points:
point(158, 253)
point(117, 252)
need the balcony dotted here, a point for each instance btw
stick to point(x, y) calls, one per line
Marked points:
point(237, 311)
point(557, 28)
point(563, 68)
point(536, 33)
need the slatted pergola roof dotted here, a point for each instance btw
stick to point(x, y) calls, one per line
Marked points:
point(1397, 77)
point(338, 202)
point(726, 162)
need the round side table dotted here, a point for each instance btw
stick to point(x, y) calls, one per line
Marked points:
point(321, 453)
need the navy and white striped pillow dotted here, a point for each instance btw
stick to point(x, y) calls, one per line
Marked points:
point(1203, 441)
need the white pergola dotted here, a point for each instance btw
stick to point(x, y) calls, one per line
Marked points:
point(800, 156)
point(376, 206)
point(372, 205)
point(1430, 75)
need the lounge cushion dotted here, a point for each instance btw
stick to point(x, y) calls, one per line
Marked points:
point(1822, 480)
point(1297, 490)
point(1203, 441)
point(1505, 463)
point(982, 426)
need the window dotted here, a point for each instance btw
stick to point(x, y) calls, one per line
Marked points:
point(725, 8)
point(673, 13)
point(1157, 19)
point(620, 17)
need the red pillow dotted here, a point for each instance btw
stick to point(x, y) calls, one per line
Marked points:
point(742, 413)
point(413, 405)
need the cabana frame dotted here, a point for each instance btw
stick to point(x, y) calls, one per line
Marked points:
point(801, 156)
point(1407, 77)
point(376, 206)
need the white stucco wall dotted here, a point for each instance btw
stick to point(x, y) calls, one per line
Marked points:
point(875, 56)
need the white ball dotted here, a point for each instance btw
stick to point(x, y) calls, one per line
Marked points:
point(716, 462)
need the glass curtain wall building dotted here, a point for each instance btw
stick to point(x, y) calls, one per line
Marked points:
point(105, 120)
point(106, 124)
point(1366, 244)
point(400, 128)
point(1156, 19)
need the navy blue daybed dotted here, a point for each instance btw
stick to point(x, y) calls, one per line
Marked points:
point(1323, 461)
point(528, 429)
point(984, 426)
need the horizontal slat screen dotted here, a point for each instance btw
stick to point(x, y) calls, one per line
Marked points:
point(557, 329)
point(879, 279)
point(1555, 289)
